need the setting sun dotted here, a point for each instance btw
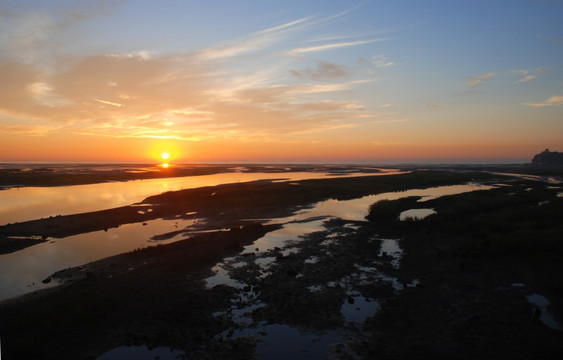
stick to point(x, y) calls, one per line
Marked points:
point(332, 83)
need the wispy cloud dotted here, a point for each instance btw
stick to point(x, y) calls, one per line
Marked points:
point(323, 88)
point(380, 61)
point(324, 47)
point(527, 78)
point(27, 36)
point(552, 101)
point(254, 42)
point(108, 102)
point(144, 94)
point(265, 38)
point(473, 81)
point(323, 71)
point(28, 130)
point(525, 75)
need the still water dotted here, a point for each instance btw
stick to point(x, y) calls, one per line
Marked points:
point(23, 271)
point(30, 203)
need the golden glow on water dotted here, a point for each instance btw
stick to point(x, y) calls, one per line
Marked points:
point(165, 165)
point(31, 265)
point(28, 203)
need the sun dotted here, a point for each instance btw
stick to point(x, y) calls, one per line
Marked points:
point(165, 156)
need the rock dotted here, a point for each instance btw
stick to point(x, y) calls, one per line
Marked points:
point(548, 159)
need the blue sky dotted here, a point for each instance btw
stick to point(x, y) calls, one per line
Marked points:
point(281, 81)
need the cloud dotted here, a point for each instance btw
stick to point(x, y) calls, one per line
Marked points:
point(263, 39)
point(474, 81)
point(519, 72)
point(437, 106)
point(29, 33)
point(380, 61)
point(525, 76)
point(145, 94)
point(323, 71)
point(109, 103)
point(168, 97)
point(315, 88)
point(299, 51)
point(552, 101)
point(28, 130)
point(254, 42)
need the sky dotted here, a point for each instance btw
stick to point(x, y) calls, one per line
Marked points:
point(280, 81)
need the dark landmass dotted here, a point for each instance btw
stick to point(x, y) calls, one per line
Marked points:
point(90, 174)
point(466, 257)
point(548, 159)
point(12, 244)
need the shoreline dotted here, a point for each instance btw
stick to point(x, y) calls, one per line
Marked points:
point(55, 174)
point(235, 201)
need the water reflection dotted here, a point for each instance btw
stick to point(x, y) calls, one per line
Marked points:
point(311, 219)
point(416, 214)
point(23, 271)
point(541, 304)
point(30, 203)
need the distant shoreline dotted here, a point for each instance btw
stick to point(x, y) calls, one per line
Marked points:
point(66, 174)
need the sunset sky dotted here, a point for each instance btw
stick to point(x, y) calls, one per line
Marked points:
point(281, 81)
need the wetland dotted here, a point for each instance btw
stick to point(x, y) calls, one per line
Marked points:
point(312, 262)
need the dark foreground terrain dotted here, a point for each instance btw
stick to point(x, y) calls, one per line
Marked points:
point(460, 291)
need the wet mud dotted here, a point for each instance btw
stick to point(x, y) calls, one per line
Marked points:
point(440, 287)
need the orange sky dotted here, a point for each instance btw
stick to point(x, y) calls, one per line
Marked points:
point(82, 148)
point(372, 81)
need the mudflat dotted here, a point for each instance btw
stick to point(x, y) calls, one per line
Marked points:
point(457, 290)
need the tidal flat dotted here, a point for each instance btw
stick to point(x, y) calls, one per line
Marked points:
point(309, 268)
